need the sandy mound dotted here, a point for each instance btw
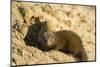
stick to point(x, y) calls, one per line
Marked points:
point(79, 19)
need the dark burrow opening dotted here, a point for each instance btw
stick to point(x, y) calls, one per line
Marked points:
point(35, 34)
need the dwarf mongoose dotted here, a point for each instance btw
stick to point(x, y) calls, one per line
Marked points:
point(63, 40)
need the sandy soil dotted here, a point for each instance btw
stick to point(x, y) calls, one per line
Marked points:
point(76, 18)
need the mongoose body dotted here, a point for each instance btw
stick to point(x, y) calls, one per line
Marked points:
point(68, 42)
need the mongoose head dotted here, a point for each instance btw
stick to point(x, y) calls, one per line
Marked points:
point(50, 37)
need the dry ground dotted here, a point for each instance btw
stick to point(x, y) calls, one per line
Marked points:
point(76, 18)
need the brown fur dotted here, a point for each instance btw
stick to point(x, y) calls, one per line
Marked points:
point(67, 41)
